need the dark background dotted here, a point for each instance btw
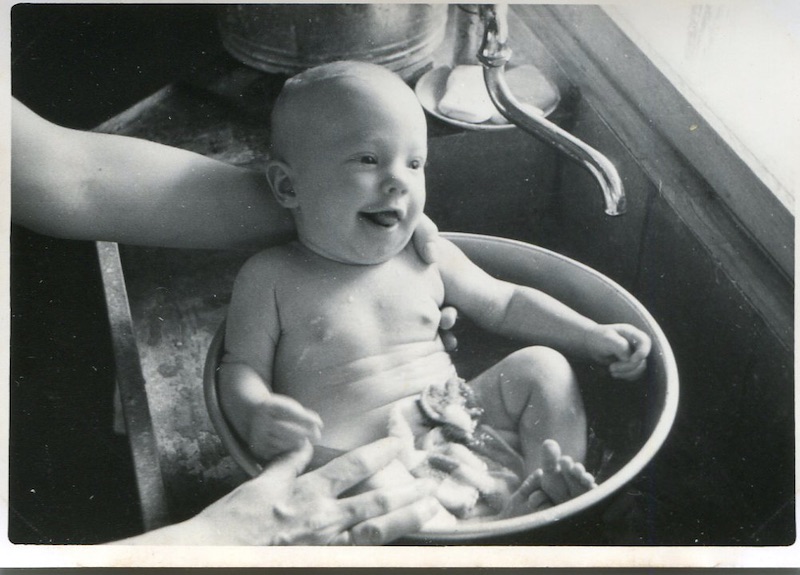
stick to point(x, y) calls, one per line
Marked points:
point(71, 477)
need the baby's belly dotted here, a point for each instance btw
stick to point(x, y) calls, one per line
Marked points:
point(355, 410)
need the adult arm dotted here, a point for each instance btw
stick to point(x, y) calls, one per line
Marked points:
point(84, 185)
point(91, 186)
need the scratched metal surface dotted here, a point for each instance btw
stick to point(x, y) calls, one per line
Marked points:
point(178, 298)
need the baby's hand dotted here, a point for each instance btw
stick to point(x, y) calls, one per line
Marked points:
point(280, 424)
point(622, 347)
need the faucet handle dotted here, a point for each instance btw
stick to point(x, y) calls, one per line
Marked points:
point(494, 53)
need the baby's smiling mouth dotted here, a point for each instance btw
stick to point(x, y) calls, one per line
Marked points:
point(383, 218)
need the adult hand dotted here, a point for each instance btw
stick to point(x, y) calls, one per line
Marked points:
point(447, 320)
point(425, 238)
point(282, 507)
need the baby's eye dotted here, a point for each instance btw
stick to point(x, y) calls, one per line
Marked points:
point(417, 164)
point(368, 159)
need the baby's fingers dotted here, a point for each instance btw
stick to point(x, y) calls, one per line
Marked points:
point(290, 435)
point(641, 349)
point(272, 438)
point(284, 408)
point(638, 340)
point(627, 370)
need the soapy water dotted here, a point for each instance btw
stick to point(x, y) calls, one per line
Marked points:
point(478, 468)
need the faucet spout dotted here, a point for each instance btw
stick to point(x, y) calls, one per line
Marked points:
point(494, 54)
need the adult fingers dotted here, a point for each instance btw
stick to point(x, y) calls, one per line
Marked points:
point(448, 318)
point(424, 238)
point(404, 521)
point(373, 513)
point(449, 341)
point(286, 467)
point(352, 468)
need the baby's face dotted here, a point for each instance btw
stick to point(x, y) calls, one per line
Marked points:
point(359, 175)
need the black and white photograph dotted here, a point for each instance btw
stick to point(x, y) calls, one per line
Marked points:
point(401, 285)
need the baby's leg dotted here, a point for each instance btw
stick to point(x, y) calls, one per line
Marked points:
point(534, 393)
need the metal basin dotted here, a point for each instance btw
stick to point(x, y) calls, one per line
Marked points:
point(632, 418)
point(287, 39)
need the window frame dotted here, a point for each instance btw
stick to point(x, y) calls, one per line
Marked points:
point(745, 227)
point(611, 70)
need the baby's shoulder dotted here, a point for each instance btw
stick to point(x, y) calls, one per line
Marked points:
point(267, 265)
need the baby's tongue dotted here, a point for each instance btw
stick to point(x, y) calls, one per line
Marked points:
point(386, 219)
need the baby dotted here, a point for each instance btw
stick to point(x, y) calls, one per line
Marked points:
point(329, 334)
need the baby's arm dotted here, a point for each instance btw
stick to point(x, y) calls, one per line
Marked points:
point(270, 423)
point(622, 347)
point(532, 316)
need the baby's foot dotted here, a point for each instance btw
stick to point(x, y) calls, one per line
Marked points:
point(560, 477)
point(558, 480)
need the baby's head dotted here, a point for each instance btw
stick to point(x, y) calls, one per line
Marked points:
point(349, 144)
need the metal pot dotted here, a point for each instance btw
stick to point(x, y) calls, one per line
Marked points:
point(289, 38)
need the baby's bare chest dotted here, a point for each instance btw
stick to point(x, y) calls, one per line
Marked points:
point(357, 311)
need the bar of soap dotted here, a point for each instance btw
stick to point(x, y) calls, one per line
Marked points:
point(465, 97)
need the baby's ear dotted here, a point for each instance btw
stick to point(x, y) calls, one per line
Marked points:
point(279, 176)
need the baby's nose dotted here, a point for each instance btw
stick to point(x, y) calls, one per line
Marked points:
point(394, 185)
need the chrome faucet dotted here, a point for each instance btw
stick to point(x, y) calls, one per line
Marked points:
point(493, 55)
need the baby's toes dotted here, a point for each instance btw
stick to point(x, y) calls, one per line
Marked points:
point(587, 479)
point(532, 483)
point(555, 485)
point(539, 501)
point(579, 480)
point(551, 454)
point(570, 475)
